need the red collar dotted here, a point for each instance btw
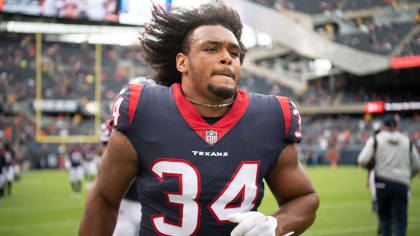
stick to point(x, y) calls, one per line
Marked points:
point(210, 133)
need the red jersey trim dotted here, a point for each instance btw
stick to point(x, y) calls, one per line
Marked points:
point(199, 125)
point(285, 106)
point(135, 91)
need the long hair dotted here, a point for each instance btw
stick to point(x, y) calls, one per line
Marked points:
point(169, 33)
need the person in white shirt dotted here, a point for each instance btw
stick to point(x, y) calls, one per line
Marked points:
point(396, 162)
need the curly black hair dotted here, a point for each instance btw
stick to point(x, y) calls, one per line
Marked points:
point(169, 33)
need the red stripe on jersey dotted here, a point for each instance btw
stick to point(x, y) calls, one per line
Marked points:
point(199, 125)
point(135, 91)
point(285, 106)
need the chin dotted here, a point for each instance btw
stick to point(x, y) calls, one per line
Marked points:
point(222, 91)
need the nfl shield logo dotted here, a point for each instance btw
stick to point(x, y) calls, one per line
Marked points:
point(211, 137)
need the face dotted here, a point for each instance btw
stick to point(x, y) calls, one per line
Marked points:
point(212, 66)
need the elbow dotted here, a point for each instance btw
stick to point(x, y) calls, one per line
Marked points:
point(313, 205)
point(309, 214)
point(314, 198)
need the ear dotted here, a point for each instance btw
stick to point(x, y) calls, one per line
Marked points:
point(181, 62)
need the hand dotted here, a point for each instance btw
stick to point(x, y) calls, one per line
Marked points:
point(252, 223)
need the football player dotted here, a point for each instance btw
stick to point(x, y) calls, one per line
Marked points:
point(76, 170)
point(9, 160)
point(90, 164)
point(2, 175)
point(200, 147)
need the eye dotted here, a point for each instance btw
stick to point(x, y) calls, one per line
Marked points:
point(234, 53)
point(210, 50)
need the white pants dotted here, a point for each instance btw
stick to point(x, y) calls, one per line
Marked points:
point(90, 167)
point(372, 185)
point(76, 173)
point(8, 173)
point(129, 217)
point(2, 180)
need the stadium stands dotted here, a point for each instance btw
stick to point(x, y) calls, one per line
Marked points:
point(254, 83)
point(355, 5)
point(312, 6)
point(379, 39)
point(68, 70)
point(17, 68)
point(411, 48)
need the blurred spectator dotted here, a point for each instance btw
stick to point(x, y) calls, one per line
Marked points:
point(395, 163)
point(412, 48)
point(377, 38)
point(68, 72)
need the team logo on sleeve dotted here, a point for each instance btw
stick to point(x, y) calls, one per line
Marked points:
point(211, 137)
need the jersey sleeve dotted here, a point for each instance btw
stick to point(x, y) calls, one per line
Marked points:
point(414, 161)
point(366, 154)
point(292, 120)
point(124, 107)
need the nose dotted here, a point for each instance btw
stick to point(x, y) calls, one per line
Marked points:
point(226, 58)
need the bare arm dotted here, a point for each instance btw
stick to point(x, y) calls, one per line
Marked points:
point(118, 168)
point(294, 193)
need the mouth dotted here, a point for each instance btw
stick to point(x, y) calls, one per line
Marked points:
point(225, 72)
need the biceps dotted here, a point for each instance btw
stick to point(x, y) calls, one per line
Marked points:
point(117, 170)
point(290, 184)
point(288, 180)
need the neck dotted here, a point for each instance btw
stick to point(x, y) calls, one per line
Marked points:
point(206, 109)
point(211, 105)
point(211, 110)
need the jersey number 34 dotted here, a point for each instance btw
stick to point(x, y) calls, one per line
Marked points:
point(242, 186)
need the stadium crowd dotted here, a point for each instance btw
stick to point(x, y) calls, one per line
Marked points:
point(323, 135)
point(377, 38)
point(314, 7)
point(368, 35)
point(412, 48)
point(69, 72)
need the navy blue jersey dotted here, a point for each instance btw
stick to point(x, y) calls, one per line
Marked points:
point(132, 192)
point(2, 162)
point(76, 158)
point(192, 174)
point(9, 156)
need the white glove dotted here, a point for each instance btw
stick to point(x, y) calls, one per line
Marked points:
point(252, 223)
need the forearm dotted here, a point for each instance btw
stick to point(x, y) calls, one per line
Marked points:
point(297, 214)
point(364, 157)
point(100, 216)
point(366, 153)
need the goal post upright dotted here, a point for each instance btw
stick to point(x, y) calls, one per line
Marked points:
point(42, 138)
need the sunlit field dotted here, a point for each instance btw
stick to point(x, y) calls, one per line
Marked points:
point(42, 204)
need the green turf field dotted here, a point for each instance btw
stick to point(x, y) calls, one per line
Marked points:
point(42, 205)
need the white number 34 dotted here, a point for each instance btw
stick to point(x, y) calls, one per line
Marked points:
point(239, 194)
